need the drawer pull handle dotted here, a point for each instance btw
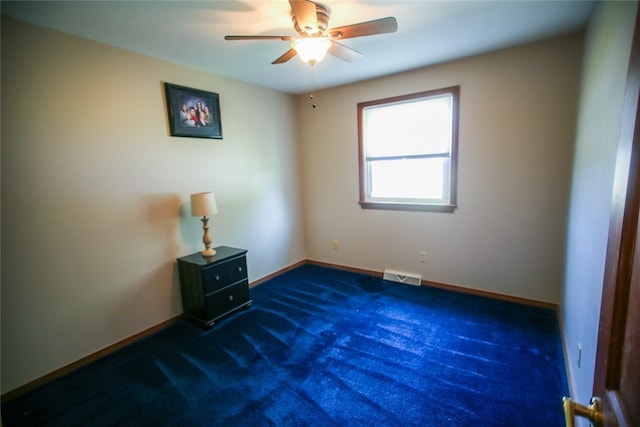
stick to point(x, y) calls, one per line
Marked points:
point(230, 297)
point(217, 277)
point(239, 269)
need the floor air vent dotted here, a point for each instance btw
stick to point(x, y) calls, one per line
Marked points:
point(400, 277)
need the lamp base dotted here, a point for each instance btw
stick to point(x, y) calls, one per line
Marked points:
point(208, 252)
point(206, 239)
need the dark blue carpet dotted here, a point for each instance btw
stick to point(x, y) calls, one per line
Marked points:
point(325, 347)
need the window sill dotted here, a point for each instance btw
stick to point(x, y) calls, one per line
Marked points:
point(408, 207)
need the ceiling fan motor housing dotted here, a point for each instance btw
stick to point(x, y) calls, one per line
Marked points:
point(322, 13)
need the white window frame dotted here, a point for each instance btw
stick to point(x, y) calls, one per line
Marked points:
point(447, 203)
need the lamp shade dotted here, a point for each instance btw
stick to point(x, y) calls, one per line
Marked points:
point(203, 204)
point(311, 49)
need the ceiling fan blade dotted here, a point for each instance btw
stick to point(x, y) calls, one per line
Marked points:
point(369, 28)
point(304, 12)
point(287, 56)
point(343, 52)
point(285, 38)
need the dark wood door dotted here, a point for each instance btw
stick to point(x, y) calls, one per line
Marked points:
point(617, 376)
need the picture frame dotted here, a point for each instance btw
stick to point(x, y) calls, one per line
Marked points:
point(193, 112)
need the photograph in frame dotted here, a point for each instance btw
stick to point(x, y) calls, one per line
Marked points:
point(193, 112)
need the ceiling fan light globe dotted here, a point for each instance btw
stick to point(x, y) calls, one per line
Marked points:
point(311, 50)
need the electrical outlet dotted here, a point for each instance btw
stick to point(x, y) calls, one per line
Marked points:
point(335, 245)
point(579, 355)
point(423, 256)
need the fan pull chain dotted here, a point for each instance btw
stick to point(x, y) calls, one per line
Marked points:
point(313, 78)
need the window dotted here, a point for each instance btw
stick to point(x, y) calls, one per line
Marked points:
point(408, 151)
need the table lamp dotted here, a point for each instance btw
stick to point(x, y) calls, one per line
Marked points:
point(204, 205)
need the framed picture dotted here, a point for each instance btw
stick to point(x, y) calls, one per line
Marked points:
point(192, 112)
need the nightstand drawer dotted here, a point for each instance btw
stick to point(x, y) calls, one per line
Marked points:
point(224, 274)
point(227, 300)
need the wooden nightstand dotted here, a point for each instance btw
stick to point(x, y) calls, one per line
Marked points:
point(215, 286)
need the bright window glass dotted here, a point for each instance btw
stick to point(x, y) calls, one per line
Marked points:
point(408, 180)
point(409, 128)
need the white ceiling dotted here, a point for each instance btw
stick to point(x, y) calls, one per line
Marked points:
point(192, 33)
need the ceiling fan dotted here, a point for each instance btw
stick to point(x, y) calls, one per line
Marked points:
point(311, 20)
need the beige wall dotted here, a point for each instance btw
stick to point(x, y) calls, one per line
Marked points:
point(517, 121)
point(607, 52)
point(95, 193)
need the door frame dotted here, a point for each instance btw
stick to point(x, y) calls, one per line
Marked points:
point(621, 246)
